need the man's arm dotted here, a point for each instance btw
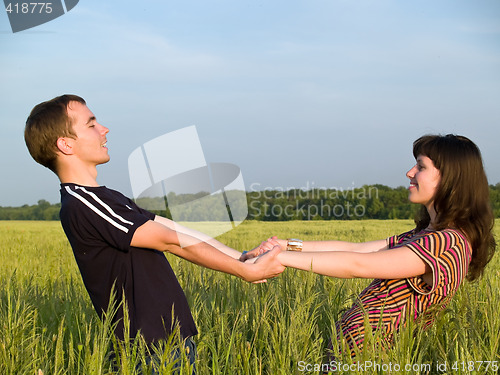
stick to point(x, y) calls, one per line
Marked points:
point(155, 235)
point(198, 236)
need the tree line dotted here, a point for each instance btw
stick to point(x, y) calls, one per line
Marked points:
point(366, 202)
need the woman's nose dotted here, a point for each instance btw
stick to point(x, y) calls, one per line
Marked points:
point(411, 173)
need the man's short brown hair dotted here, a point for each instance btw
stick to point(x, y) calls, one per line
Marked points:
point(47, 122)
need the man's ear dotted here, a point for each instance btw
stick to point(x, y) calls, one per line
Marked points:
point(65, 145)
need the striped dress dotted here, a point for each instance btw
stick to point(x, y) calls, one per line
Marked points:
point(386, 304)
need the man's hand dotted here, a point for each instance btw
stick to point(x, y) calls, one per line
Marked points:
point(265, 267)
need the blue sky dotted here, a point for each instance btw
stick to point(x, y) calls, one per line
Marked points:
point(317, 93)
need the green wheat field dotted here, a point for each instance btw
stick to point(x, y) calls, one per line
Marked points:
point(48, 325)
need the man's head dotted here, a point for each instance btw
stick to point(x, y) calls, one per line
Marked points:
point(47, 122)
point(64, 132)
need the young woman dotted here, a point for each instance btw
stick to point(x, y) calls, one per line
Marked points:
point(416, 273)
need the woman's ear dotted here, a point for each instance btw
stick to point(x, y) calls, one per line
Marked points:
point(64, 145)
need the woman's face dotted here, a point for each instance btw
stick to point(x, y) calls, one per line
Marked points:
point(424, 181)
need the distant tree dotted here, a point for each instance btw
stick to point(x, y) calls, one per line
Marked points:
point(367, 202)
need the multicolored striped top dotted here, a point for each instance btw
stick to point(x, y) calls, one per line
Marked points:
point(387, 304)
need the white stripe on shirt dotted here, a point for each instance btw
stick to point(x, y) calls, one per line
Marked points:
point(96, 210)
point(109, 209)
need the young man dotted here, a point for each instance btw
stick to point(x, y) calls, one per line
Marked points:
point(116, 243)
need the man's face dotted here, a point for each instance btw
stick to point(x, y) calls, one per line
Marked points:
point(90, 143)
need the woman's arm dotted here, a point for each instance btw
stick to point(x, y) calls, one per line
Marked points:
point(318, 246)
point(397, 263)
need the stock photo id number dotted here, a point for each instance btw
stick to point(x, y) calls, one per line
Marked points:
point(25, 15)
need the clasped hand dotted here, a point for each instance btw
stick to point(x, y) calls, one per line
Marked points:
point(263, 248)
point(265, 258)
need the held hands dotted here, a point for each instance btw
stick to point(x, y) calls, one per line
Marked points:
point(263, 260)
point(264, 247)
point(266, 266)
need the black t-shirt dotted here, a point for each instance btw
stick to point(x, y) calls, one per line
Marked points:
point(100, 223)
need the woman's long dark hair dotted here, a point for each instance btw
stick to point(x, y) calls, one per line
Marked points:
point(462, 200)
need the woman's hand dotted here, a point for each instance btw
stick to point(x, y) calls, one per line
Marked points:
point(264, 247)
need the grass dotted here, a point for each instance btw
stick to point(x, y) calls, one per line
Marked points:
point(48, 325)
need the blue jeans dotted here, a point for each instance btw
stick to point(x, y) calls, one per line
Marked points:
point(189, 347)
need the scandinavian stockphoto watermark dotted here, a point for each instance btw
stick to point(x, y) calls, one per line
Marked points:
point(24, 14)
point(309, 202)
point(170, 173)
